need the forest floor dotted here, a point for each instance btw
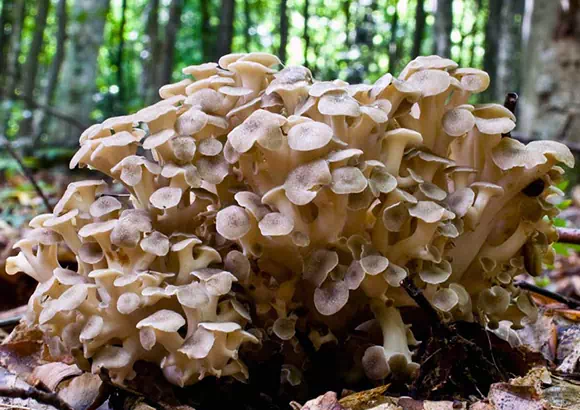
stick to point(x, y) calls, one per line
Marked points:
point(462, 365)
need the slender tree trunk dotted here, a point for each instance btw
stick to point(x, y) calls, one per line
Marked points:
point(247, 25)
point(306, 33)
point(283, 30)
point(149, 78)
point(347, 17)
point(443, 27)
point(12, 69)
point(5, 18)
point(393, 45)
point(119, 59)
point(419, 28)
point(492, 34)
point(53, 74)
point(207, 35)
point(31, 64)
point(86, 32)
point(507, 51)
point(171, 29)
point(226, 29)
point(550, 103)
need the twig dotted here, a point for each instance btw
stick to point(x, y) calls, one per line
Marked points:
point(572, 303)
point(11, 321)
point(4, 142)
point(40, 396)
point(51, 111)
point(417, 295)
point(569, 235)
point(510, 102)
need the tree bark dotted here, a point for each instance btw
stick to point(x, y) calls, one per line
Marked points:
point(507, 50)
point(283, 30)
point(492, 34)
point(347, 17)
point(443, 27)
point(12, 71)
point(55, 65)
point(226, 29)
point(119, 59)
point(171, 29)
point(550, 103)
point(393, 45)
point(86, 29)
point(5, 18)
point(306, 33)
point(419, 28)
point(149, 79)
point(207, 35)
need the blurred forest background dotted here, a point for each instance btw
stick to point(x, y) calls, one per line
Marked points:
point(65, 64)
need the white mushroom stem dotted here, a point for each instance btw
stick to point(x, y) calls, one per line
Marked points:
point(188, 263)
point(504, 251)
point(414, 245)
point(393, 328)
point(474, 213)
point(332, 214)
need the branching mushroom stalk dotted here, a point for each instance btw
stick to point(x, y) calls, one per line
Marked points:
point(262, 202)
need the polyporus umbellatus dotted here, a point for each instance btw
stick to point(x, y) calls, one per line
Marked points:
point(261, 200)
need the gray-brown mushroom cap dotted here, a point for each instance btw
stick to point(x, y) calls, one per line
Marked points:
point(233, 222)
point(308, 136)
point(331, 297)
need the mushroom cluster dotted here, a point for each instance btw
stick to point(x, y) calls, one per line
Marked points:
point(264, 204)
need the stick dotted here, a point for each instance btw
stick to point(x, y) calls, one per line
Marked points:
point(31, 393)
point(574, 304)
point(4, 142)
point(510, 102)
point(417, 295)
point(51, 111)
point(569, 235)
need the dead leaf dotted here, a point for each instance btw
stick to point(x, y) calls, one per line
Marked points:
point(366, 399)
point(328, 401)
point(83, 392)
point(507, 397)
point(51, 374)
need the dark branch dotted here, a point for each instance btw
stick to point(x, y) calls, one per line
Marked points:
point(4, 142)
point(569, 235)
point(417, 295)
point(51, 111)
point(40, 396)
point(574, 304)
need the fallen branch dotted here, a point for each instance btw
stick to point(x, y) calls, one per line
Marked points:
point(571, 303)
point(417, 295)
point(5, 143)
point(569, 235)
point(51, 111)
point(40, 396)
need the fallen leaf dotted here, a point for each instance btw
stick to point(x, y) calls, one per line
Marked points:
point(328, 401)
point(507, 397)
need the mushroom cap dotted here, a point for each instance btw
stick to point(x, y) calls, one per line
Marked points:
point(348, 180)
point(156, 243)
point(339, 103)
point(166, 197)
point(457, 122)
point(276, 224)
point(233, 222)
point(303, 181)
point(199, 344)
point(262, 127)
point(430, 212)
point(330, 297)
point(318, 265)
point(163, 320)
point(430, 82)
point(104, 206)
point(308, 136)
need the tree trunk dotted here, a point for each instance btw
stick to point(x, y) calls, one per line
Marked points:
point(492, 34)
point(419, 28)
point(12, 70)
point(5, 19)
point(283, 30)
point(151, 46)
point(119, 59)
point(347, 17)
point(226, 30)
point(207, 35)
point(171, 29)
point(443, 27)
point(507, 50)
point(393, 45)
point(76, 94)
point(306, 33)
point(53, 74)
point(550, 103)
